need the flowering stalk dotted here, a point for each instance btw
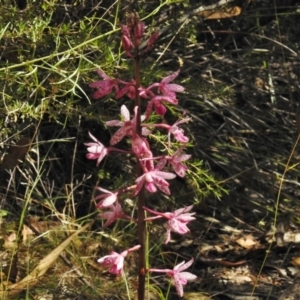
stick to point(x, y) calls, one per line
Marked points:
point(151, 174)
point(137, 29)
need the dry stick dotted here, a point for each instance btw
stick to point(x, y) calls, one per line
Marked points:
point(64, 259)
point(32, 278)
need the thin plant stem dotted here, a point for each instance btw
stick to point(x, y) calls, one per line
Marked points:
point(126, 284)
point(141, 195)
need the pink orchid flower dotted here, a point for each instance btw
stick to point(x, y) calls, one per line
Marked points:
point(140, 147)
point(105, 86)
point(157, 102)
point(96, 150)
point(115, 261)
point(177, 220)
point(179, 132)
point(180, 278)
point(126, 126)
point(176, 162)
point(128, 89)
point(114, 214)
point(168, 91)
point(108, 197)
point(154, 179)
point(167, 88)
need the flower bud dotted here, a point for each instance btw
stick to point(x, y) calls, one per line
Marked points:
point(152, 39)
point(139, 30)
point(127, 44)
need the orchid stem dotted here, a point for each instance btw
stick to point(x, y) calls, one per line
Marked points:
point(141, 195)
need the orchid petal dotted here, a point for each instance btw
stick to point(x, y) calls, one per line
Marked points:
point(179, 211)
point(109, 200)
point(182, 266)
point(125, 113)
point(170, 77)
point(164, 175)
point(178, 285)
point(114, 123)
